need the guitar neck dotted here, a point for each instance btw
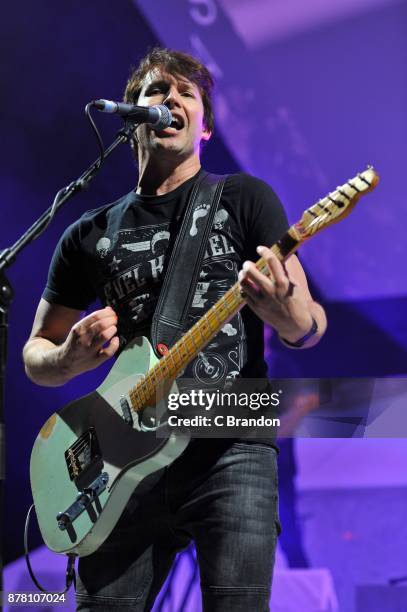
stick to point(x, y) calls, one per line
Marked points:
point(335, 206)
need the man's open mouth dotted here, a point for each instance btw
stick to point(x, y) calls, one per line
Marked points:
point(177, 123)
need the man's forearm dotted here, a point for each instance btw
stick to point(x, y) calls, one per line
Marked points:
point(44, 364)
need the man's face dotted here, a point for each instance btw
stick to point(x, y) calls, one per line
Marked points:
point(184, 100)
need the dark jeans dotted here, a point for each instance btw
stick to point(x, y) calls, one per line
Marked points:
point(221, 494)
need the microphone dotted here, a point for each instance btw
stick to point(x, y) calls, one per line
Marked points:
point(158, 116)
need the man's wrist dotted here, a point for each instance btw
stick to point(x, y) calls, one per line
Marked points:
point(300, 342)
point(43, 365)
point(63, 363)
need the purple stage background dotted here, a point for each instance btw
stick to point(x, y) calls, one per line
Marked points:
point(307, 95)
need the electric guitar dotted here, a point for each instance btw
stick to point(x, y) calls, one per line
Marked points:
point(89, 457)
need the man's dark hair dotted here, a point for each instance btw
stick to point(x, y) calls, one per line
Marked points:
point(175, 63)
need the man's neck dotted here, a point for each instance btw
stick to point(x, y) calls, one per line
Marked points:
point(161, 179)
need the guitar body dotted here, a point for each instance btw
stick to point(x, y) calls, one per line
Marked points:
point(89, 457)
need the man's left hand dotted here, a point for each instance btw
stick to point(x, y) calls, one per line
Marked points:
point(281, 299)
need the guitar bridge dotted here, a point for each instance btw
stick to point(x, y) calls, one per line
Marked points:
point(84, 458)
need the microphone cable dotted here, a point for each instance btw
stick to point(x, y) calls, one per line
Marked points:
point(79, 184)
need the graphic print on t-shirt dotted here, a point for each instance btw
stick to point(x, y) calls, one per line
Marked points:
point(134, 263)
point(225, 355)
point(138, 259)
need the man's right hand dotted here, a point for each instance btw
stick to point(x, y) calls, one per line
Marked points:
point(62, 344)
point(90, 342)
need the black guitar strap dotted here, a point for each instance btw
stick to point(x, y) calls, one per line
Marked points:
point(171, 314)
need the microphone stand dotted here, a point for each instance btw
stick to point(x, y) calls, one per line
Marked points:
point(8, 256)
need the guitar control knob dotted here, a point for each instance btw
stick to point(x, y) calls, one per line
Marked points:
point(104, 478)
point(83, 498)
point(63, 520)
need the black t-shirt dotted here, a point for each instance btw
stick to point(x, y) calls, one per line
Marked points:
point(118, 254)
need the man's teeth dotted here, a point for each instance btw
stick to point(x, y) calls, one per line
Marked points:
point(176, 124)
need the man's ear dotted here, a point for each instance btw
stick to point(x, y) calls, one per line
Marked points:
point(206, 134)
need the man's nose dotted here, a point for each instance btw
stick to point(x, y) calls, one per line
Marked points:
point(172, 98)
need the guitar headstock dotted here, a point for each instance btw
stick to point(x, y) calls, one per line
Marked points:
point(336, 205)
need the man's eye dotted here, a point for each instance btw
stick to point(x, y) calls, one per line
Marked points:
point(188, 94)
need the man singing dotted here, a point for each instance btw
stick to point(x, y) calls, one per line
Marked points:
point(222, 494)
